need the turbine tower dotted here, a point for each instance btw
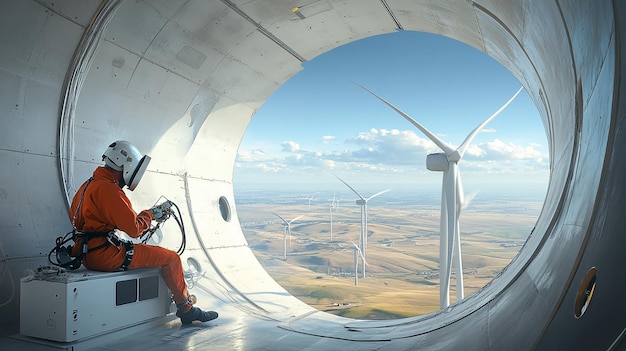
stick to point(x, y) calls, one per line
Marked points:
point(330, 210)
point(362, 201)
point(309, 199)
point(286, 231)
point(357, 252)
point(451, 199)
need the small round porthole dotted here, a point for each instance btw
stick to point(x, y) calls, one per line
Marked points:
point(224, 208)
point(194, 265)
point(585, 292)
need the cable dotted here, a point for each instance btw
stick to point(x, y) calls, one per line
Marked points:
point(6, 272)
point(60, 250)
point(178, 218)
point(181, 225)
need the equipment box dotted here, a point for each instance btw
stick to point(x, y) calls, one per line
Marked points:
point(70, 306)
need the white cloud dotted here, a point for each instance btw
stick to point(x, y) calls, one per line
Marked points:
point(327, 139)
point(363, 138)
point(267, 168)
point(513, 151)
point(251, 155)
point(290, 146)
point(475, 151)
point(391, 147)
point(382, 152)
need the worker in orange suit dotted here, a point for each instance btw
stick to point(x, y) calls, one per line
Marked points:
point(100, 206)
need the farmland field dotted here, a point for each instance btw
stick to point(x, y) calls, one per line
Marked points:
point(402, 271)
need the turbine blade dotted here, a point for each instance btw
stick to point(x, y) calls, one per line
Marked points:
point(458, 258)
point(291, 221)
point(378, 193)
point(348, 185)
point(468, 199)
point(281, 217)
point(360, 253)
point(460, 195)
point(447, 149)
point(470, 137)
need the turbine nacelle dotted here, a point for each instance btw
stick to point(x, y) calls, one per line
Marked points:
point(360, 202)
point(437, 162)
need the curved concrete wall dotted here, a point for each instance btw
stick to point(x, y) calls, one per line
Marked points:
point(182, 80)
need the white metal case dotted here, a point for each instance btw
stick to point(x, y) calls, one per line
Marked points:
point(71, 306)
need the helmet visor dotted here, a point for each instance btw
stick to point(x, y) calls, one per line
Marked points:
point(136, 175)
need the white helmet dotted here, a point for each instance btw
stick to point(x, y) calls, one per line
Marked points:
point(124, 156)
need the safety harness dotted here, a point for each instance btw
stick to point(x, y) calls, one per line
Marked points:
point(63, 253)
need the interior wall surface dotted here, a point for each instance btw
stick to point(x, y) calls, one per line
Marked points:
point(182, 80)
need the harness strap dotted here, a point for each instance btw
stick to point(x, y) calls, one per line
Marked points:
point(129, 248)
point(102, 246)
point(128, 256)
point(85, 236)
point(92, 235)
point(80, 202)
point(64, 258)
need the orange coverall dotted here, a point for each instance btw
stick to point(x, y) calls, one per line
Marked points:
point(105, 207)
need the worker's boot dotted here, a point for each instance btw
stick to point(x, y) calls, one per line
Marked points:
point(195, 314)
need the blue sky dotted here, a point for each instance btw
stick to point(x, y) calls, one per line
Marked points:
point(320, 124)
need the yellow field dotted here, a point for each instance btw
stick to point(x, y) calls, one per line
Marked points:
point(402, 268)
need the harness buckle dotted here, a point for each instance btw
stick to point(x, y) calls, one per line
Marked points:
point(114, 239)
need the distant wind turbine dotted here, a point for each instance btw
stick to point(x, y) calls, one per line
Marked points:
point(362, 201)
point(451, 199)
point(330, 210)
point(286, 231)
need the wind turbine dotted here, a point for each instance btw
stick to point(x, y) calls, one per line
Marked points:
point(330, 210)
point(451, 199)
point(286, 231)
point(362, 201)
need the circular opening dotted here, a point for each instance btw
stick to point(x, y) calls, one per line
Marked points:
point(585, 292)
point(224, 208)
point(372, 149)
point(193, 272)
point(194, 265)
